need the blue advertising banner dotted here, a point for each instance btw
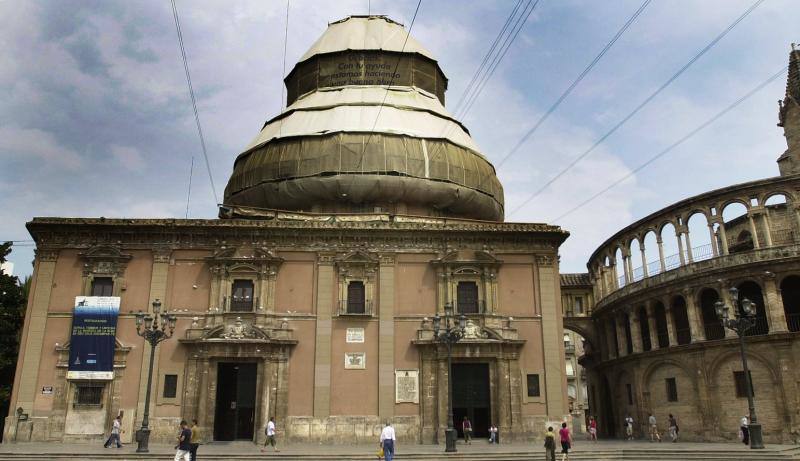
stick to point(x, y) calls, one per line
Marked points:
point(94, 327)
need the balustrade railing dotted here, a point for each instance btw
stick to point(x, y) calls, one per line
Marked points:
point(793, 322)
point(714, 331)
point(683, 335)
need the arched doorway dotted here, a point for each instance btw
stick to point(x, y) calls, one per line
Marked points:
point(712, 324)
point(607, 426)
point(752, 291)
point(680, 318)
point(790, 293)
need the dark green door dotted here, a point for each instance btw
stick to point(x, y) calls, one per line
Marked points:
point(472, 397)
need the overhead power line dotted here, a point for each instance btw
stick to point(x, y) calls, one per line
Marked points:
point(574, 83)
point(194, 100)
point(488, 66)
point(677, 143)
point(388, 87)
point(638, 108)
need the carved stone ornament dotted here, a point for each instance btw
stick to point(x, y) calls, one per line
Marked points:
point(105, 260)
point(544, 260)
point(473, 331)
point(239, 330)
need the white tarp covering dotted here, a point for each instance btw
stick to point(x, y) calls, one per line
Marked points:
point(365, 33)
point(364, 118)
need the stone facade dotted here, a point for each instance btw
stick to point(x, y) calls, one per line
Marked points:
point(295, 331)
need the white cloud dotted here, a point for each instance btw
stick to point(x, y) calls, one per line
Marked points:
point(19, 144)
point(128, 157)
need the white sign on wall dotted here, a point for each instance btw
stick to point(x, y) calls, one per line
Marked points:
point(355, 360)
point(406, 386)
point(355, 335)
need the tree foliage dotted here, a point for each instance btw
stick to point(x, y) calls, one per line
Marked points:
point(13, 299)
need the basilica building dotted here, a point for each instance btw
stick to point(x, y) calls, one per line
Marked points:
point(352, 223)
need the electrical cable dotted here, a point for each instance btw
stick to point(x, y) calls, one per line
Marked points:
point(574, 83)
point(194, 100)
point(640, 106)
point(677, 143)
point(189, 193)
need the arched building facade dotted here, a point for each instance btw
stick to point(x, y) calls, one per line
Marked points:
point(661, 346)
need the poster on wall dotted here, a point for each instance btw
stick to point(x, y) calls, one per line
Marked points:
point(91, 347)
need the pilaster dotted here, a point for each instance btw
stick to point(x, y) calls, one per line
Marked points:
point(35, 321)
point(776, 314)
point(692, 311)
point(552, 335)
point(322, 351)
point(386, 378)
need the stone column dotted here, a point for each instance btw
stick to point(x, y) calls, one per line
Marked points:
point(636, 332)
point(753, 229)
point(644, 260)
point(723, 238)
point(322, 351)
point(614, 274)
point(35, 320)
point(660, 243)
point(776, 314)
point(651, 319)
point(611, 337)
point(688, 245)
point(714, 248)
point(158, 290)
point(681, 255)
point(386, 341)
point(765, 225)
point(693, 312)
point(670, 324)
point(622, 340)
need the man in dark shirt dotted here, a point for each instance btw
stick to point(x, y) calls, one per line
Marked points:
point(184, 443)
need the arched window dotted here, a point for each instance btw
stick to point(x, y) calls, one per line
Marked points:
point(790, 293)
point(680, 318)
point(711, 322)
point(644, 328)
point(752, 291)
point(661, 325)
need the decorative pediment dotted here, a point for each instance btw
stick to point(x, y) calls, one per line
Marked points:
point(244, 259)
point(238, 329)
point(466, 258)
point(104, 259)
point(358, 264)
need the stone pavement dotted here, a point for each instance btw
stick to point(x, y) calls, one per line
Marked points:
point(480, 450)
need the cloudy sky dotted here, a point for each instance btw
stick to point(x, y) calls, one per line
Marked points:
point(95, 117)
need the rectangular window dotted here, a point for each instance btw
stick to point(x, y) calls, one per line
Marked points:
point(672, 390)
point(533, 386)
point(570, 368)
point(467, 297)
point(89, 394)
point(629, 389)
point(356, 298)
point(102, 286)
point(242, 296)
point(170, 386)
point(741, 385)
point(578, 305)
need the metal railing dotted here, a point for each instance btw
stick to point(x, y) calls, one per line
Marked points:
point(345, 309)
point(793, 322)
point(683, 335)
point(714, 331)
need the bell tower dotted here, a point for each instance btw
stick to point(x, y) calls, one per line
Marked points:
point(789, 117)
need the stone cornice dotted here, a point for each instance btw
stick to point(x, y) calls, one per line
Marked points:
point(331, 233)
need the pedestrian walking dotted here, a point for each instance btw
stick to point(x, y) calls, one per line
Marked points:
point(566, 441)
point(493, 434)
point(629, 427)
point(673, 428)
point(269, 431)
point(387, 441)
point(593, 429)
point(550, 444)
point(466, 426)
point(744, 428)
point(184, 443)
point(195, 440)
point(116, 428)
point(654, 435)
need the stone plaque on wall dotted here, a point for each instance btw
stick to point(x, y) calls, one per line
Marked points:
point(406, 386)
point(355, 360)
point(355, 335)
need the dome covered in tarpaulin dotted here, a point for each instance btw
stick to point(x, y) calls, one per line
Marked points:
point(366, 131)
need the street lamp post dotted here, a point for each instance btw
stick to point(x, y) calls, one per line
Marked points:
point(153, 328)
point(744, 319)
point(449, 333)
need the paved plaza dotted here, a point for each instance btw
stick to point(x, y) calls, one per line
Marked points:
point(583, 450)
